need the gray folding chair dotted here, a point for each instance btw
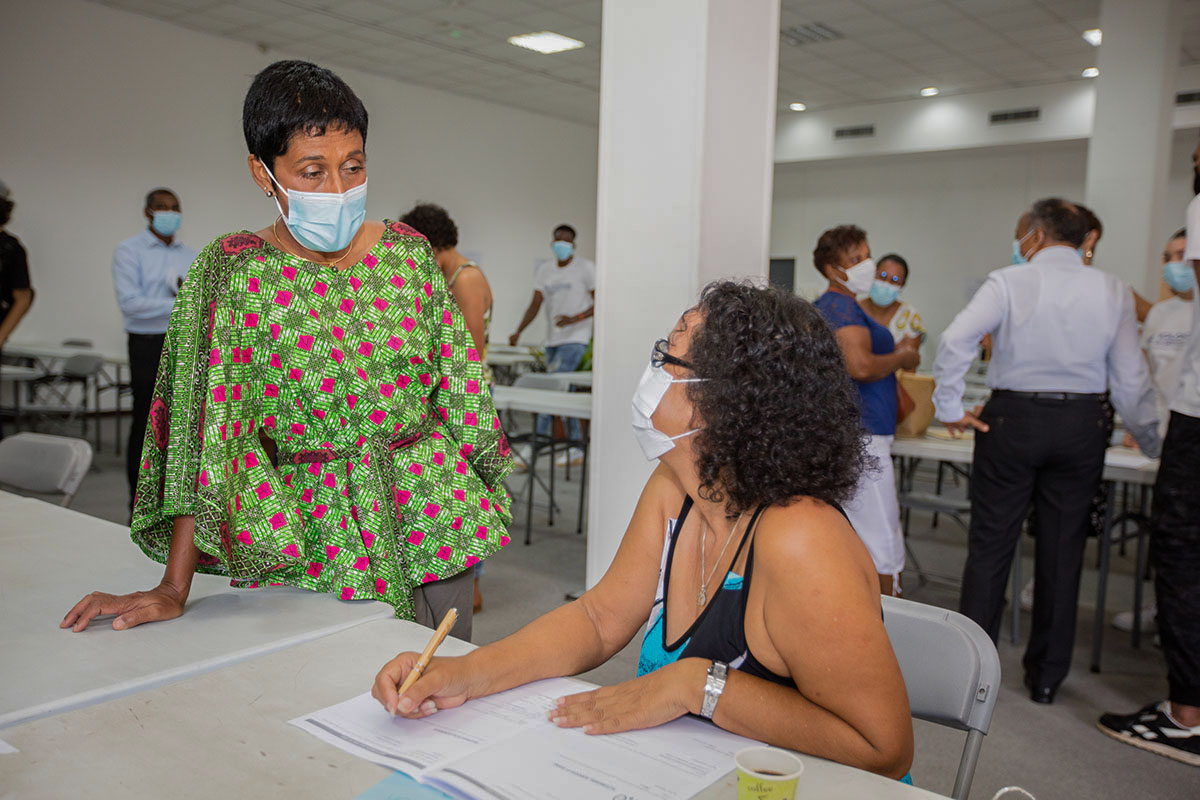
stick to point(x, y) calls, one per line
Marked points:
point(951, 671)
point(41, 464)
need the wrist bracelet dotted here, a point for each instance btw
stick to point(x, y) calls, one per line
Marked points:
point(714, 684)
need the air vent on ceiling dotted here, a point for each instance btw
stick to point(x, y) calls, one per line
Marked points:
point(854, 132)
point(1014, 115)
point(809, 33)
point(1186, 98)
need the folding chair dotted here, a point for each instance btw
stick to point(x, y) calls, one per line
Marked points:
point(951, 671)
point(81, 371)
point(41, 464)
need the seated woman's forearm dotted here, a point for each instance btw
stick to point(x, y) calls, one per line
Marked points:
point(867, 367)
point(567, 641)
point(783, 717)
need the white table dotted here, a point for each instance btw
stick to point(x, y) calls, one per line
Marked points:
point(1121, 465)
point(50, 557)
point(225, 734)
point(568, 380)
point(510, 359)
point(560, 404)
point(46, 356)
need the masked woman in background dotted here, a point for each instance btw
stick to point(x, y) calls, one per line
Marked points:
point(321, 418)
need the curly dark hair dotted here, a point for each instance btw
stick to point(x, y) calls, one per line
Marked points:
point(833, 243)
point(778, 414)
point(434, 223)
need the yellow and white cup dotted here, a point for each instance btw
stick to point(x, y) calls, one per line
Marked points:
point(767, 773)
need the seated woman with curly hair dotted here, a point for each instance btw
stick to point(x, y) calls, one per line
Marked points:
point(738, 554)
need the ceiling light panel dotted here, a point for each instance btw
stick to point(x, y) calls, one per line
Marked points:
point(545, 42)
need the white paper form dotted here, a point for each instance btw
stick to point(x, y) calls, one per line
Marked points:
point(676, 760)
point(7, 749)
point(362, 727)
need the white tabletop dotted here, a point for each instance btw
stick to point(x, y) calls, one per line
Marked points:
point(48, 350)
point(577, 405)
point(510, 359)
point(225, 734)
point(1121, 464)
point(566, 380)
point(50, 557)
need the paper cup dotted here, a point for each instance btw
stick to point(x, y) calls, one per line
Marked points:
point(767, 773)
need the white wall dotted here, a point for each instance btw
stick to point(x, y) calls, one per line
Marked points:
point(103, 105)
point(950, 214)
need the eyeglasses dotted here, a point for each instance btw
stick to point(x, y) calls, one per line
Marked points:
point(660, 355)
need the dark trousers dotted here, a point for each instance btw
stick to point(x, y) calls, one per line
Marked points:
point(145, 349)
point(1050, 452)
point(1175, 553)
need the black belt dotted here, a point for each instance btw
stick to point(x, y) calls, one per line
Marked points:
point(1056, 396)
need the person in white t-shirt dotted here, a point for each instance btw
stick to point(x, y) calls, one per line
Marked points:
point(1172, 727)
point(567, 285)
point(1168, 325)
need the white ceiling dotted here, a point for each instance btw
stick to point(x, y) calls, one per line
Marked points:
point(890, 50)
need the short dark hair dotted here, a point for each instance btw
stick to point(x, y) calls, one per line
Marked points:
point(899, 259)
point(434, 223)
point(775, 375)
point(1093, 222)
point(565, 228)
point(1179, 234)
point(6, 209)
point(291, 97)
point(834, 242)
point(1060, 219)
point(150, 195)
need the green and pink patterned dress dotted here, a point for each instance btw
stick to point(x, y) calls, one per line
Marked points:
point(390, 454)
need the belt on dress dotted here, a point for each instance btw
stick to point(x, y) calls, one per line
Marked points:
point(1056, 396)
point(323, 455)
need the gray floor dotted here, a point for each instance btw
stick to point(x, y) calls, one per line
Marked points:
point(1052, 751)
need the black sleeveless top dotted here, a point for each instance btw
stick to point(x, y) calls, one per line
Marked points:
point(719, 633)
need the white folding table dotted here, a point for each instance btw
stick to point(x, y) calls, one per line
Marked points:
point(225, 734)
point(50, 557)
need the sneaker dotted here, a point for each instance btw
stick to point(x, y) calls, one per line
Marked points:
point(1027, 596)
point(1154, 729)
point(1123, 621)
point(572, 456)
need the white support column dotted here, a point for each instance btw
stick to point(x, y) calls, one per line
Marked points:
point(687, 123)
point(1127, 166)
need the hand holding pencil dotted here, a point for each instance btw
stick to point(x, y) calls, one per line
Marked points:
point(413, 685)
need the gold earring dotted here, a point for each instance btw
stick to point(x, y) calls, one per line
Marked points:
point(1088, 254)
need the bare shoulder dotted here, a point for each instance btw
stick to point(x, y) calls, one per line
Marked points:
point(808, 536)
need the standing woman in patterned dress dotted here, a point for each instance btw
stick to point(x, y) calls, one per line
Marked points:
point(320, 418)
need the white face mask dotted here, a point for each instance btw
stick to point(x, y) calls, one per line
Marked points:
point(651, 388)
point(860, 277)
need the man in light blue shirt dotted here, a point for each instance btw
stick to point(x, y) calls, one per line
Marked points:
point(148, 270)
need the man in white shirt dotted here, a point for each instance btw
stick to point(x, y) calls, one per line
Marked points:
point(1062, 334)
point(567, 284)
point(1172, 727)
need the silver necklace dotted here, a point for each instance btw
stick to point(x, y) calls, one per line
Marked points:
point(702, 595)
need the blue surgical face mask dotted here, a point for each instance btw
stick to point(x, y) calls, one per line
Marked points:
point(165, 223)
point(1179, 275)
point(1017, 256)
point(562, 250)
point(323, 221)
point(884, 293)
point(1082, 257)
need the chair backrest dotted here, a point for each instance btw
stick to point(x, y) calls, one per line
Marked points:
point(538, 380)
point(951, 670)
point(83, 365)
point(44, 464)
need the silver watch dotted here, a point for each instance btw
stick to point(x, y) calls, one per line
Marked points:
point(714, 684)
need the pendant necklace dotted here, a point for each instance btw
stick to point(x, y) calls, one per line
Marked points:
point(702, 595)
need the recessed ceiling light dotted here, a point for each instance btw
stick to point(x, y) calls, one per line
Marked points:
point(545, 42)
point(929, 91)
point(1093, 36)
point(797, 106)
point(1090, 72)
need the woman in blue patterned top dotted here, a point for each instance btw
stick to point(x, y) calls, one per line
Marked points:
point(872, 357)
point(763, 605)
